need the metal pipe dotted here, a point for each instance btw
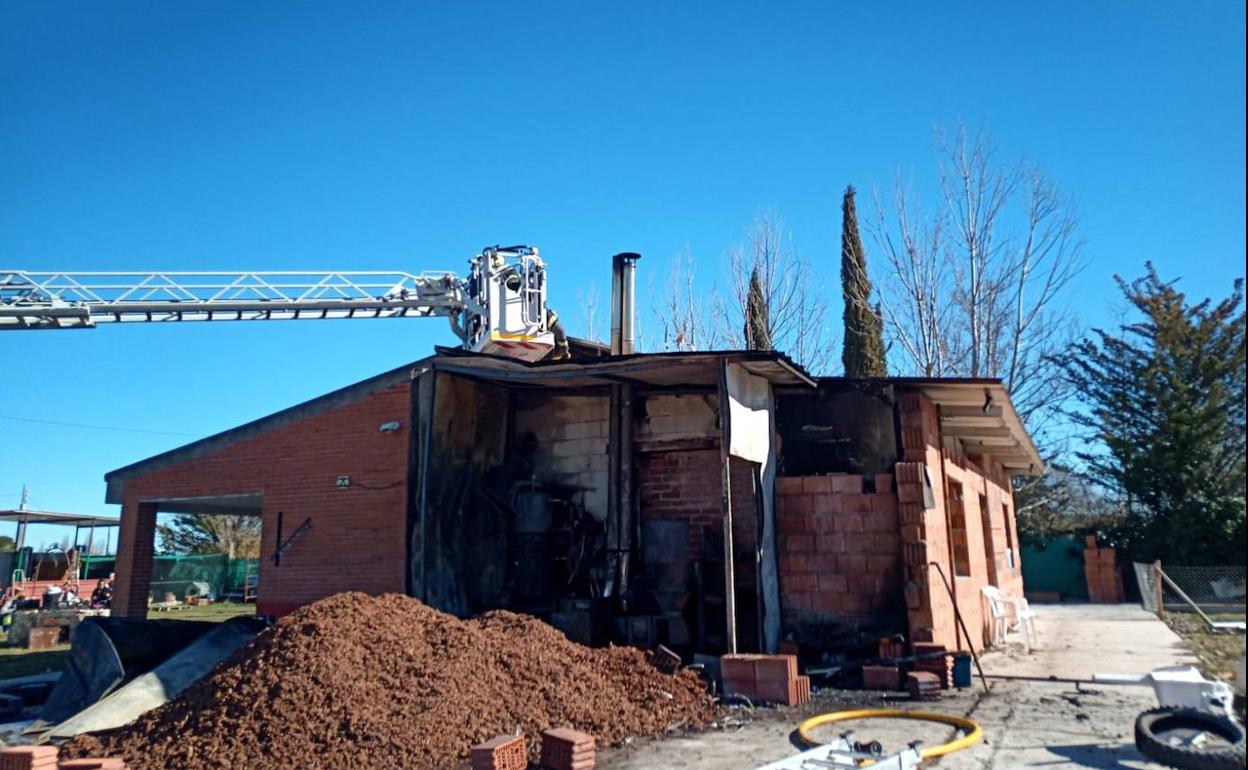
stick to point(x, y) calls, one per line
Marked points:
point(623, 304)
point(1174, 587)
point(628, 305)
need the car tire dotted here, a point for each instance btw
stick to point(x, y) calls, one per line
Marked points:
point(1149, 739)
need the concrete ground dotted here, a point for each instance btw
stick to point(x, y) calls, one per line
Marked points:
point(1026, 724)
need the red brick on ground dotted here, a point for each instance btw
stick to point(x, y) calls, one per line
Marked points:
point(28, 758)
point(567, 749)
point(932, 658)
point(775, 668)
point(923, 685)
point(103, 763)
point(502, 752)
point(881, 678)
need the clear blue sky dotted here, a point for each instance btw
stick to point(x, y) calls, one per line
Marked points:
point(407, 135)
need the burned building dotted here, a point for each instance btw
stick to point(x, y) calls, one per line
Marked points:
point(710, 500)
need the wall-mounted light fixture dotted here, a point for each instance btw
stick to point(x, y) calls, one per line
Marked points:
point(391, 427)
point(988, 402)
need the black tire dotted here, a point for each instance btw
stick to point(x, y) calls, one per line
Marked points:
point(1151, 726)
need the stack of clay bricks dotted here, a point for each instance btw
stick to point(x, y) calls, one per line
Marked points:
point(1100, 565)
point(502, 752)
point(933, 659)
point(838, 544)
point(923, 685)
point(567, 749)
point(44, 758)
point(765, 678)
point(29, 758)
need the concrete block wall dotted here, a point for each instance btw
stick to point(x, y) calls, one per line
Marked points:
point(839, 546)
point(356, 540)
point(571, 434)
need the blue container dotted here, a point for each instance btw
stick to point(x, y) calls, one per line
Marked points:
point(962, 670)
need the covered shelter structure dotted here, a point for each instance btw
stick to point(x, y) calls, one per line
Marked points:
point(21, 568)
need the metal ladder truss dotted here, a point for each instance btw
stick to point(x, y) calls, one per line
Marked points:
point(65, 300)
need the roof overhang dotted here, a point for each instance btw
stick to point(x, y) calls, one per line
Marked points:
point(53, 517)
point(653, 370)
point(980, 417)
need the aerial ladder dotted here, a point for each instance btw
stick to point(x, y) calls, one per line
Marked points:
point(499, 308)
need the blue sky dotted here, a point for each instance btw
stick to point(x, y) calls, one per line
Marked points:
point(407, 135)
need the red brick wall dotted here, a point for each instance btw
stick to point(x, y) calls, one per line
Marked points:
point(688, 484)
point(928, 532)
point(356, 540)
point(840, 549)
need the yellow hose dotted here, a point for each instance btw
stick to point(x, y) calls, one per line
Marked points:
point(974, 733)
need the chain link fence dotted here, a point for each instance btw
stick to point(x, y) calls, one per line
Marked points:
point(1217, 591)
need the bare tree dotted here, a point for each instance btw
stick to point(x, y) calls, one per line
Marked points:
point(979, 284)
point(590, 317)
point(680, 314)
point(794, 296)
point(919, 316)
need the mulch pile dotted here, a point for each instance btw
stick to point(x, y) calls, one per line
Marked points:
point(357, 681)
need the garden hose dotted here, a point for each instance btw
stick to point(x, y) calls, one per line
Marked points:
point(974, 733)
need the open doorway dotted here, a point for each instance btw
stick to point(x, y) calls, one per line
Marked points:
point(206, 560)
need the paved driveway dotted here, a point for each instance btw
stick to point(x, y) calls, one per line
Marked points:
point(1027, 724)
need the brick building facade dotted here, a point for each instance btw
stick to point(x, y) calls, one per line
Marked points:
point(406, 482)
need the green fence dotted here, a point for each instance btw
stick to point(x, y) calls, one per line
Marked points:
point(1055, 566)
point(178, 574)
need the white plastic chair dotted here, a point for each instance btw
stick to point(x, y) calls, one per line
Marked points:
point(999, 614)
point(1011, 612)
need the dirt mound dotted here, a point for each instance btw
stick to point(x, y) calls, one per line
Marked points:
point(386, 682)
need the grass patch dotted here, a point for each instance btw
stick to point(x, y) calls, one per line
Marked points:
point(1218, 653)
point(19, 661)
point(210, 613)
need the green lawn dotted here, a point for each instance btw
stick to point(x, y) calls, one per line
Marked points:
point(19, 661)
point(211, 613)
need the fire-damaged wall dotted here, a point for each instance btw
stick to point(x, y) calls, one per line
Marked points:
point(843, 427)
point(679, 476)
point(840, 557)
point(568, 435)
point(459, 546)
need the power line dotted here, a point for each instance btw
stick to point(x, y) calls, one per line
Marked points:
point(93, 427)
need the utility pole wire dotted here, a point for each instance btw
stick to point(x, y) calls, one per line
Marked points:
point(92, 427)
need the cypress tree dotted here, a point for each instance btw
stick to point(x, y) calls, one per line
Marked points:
point(863, 351)
point(757, 322)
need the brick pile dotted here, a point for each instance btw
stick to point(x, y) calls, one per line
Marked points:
point(28, 758)
point(375, 683)
point(923, 685)
point(933, 659)
point(1100, 566)
point(502, 752)
point(566, 749)
point(838, 544)
point(765, 678)
point(45, 758)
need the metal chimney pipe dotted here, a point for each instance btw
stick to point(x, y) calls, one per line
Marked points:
point(623, 302)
